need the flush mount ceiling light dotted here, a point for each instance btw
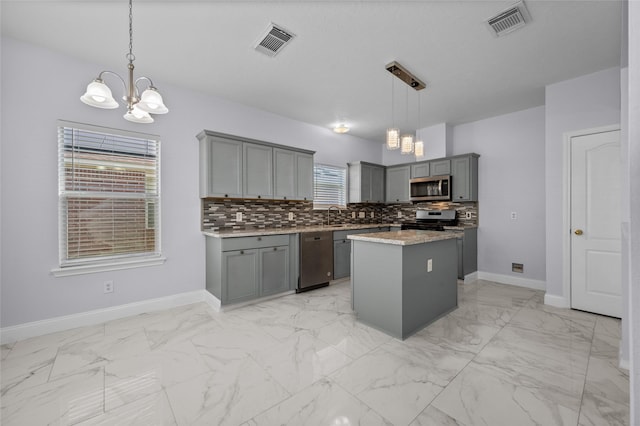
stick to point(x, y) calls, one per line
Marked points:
point(139, 107)
point(341, 128)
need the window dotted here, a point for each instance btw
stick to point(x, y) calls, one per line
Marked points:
point(109, 196)
point(330, 186)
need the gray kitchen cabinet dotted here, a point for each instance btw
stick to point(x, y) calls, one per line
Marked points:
point(220, 167)
point(464, 178)
point(304, 176)
point(440, 167)
point(419, 170)
point(341, 258)
point(240, 275)
point(246, 268)
point(274, 268)
point(397, 184)
point(366, 182)
point(257, 164)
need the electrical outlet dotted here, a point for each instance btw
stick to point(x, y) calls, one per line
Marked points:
point(429, 265)
point(108, 287)
point(372, 215)
point(514, 216)
point(468, 215)
point(361, 215)
point(517, 267)
point(399, 214)
point(239, 217)
point(353, 215)
point(291, 217)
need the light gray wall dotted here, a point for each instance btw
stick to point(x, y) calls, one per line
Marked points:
point(510, 179)
point(585, 102)
point(29, 222)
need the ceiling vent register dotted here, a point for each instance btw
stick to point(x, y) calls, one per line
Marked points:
point(509, 20)
point(273, 40)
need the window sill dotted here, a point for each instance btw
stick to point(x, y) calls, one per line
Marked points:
point(104, 267)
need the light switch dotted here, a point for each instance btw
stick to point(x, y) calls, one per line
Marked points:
point(372, 214)
point(353, 215)
point(400, 214)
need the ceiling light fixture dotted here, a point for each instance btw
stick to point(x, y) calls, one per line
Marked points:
point(418, 145)
point(341, 128)
point(394, 141)
point(393, 133)
point(406, 141)
point(139, 107)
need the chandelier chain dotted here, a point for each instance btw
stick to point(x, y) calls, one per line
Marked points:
point(131, 57)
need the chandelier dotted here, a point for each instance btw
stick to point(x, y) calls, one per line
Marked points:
point(139, 107)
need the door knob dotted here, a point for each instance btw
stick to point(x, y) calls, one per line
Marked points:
point(578, 232)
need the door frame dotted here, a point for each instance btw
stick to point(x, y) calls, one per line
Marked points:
point(566, 203)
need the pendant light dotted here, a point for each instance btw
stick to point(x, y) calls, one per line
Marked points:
point(406, 140)
point(393, 133)
point(139, 107)
point(418, 146)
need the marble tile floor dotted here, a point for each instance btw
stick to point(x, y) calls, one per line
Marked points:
point(501, 358)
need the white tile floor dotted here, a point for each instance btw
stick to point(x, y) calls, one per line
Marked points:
point(501, 358)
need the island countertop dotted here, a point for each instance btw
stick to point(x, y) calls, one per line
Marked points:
point(407, 237)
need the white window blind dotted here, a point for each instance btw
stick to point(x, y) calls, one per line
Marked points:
point(109, 194)
point(330, 186)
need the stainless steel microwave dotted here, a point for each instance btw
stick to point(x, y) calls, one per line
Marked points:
point(434, 188)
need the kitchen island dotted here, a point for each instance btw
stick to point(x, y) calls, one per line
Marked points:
point(403, 280)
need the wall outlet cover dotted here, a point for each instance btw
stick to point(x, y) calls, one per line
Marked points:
point(239, 217)
point(108, 287)
point(353, 215)
point(429, 265)
point(399, 214)
point(468, 215)
point(291, 216)
point(514, 216)
point(360, 215)
point(372, 214)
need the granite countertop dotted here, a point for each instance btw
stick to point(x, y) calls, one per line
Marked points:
point(293, 230)
point(405, 238)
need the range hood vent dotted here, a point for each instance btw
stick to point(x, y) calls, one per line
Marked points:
point(509, 20)
point(273, 40)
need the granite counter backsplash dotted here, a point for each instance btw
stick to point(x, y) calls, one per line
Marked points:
point(219, 214)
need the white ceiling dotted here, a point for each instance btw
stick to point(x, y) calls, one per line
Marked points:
point(334, 69)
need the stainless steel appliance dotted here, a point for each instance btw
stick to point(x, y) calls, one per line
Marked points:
point(436, 220)
point(434, 188)
point(316, 260)
point(432, 220)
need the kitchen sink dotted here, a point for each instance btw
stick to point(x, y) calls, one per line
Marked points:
point(335, 226)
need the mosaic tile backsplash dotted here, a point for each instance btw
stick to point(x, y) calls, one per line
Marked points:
point(220, 213)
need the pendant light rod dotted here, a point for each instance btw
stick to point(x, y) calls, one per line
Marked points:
point(139, 107)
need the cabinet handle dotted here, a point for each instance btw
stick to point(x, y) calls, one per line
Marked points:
point(275, 249)
point(285, 198)
point(259, 196)
point(226, 195)
point(259, 238)
point(241, 251)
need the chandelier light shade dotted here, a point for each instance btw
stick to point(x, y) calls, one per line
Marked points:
point(393, 138)
point(418, 148)
point(406, 144)
point(139, 107)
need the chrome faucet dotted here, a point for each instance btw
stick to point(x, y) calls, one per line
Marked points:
point(328, 210)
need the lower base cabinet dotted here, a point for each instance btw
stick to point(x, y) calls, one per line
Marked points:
point(246, 268)
point(342, 250)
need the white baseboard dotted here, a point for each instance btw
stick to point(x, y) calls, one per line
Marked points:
point(623, 362)
point(472, 277)
point(556, 301)
point(511, 280)
point(98, 316)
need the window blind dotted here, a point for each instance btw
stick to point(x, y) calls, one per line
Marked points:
point(330, 186)
point(109, 194)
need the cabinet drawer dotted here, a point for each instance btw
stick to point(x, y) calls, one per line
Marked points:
point(245, 243)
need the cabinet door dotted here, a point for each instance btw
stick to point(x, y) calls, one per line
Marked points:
point(398, 184)
point(274, 271)
point(460, 179)
point(220, 167)
point(365, 184)
point(419, 170)
point(341, 259)
point(284, 171)
point(377, 185)
point(258, 171)
point(304, 173)
point(240, 275)
point(440, 167)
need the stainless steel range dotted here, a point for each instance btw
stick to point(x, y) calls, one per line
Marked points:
point(432, 220)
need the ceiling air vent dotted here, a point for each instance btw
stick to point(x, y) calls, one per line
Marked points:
point(273, 40)
point(517, 16)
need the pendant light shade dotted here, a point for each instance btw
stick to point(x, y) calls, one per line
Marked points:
point(406, 144)
point(99, 95)
point(151, 101)
point(136, 115)
point(393, 138)
point(418, 148)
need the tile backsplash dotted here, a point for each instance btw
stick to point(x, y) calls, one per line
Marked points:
point(220, 213)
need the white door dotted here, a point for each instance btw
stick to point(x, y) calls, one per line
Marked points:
point(596, 284)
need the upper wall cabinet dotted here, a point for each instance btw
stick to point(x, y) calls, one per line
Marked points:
point(397, 184)
point(419, 170)
point(431, 168)
point(235, 167)
point(366, 182)
point(464, 178)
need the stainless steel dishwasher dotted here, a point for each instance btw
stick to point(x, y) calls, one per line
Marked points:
point(316, 260)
